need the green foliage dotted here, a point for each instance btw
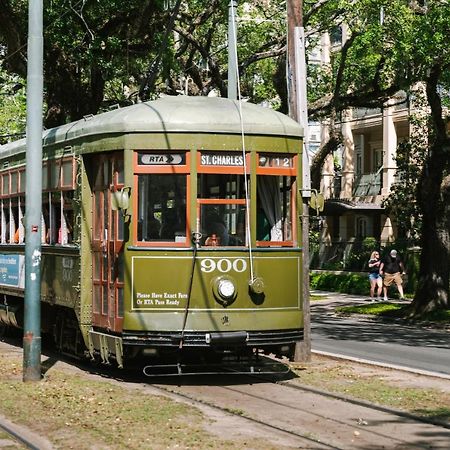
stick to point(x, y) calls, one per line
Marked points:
point(402, 203)
point(333, 278)
point(345, 282)
point(12, 107)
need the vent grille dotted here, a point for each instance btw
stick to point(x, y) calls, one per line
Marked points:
point(198, 339)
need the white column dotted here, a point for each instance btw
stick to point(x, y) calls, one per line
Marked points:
point(325, 46)
point(327, 180)
point(389, 148)
point(387, 230)
point(348, 156)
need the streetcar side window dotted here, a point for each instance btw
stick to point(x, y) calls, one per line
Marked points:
point(222, 209)
point(162, 208)
point(274, 218)
point(5, 221)
point(12, 209)
point(58, 219)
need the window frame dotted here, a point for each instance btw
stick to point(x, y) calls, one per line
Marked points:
point(282, 172)
point(162, 169)
point(223, 170)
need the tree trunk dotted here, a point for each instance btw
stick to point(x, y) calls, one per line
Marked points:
point(326, 149)
point(433, 288)
point(434, 197)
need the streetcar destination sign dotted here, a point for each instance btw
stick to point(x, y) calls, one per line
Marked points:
point(222, 160)
point(161, 159)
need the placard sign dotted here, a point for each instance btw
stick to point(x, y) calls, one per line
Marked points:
point(12, 270)
point(161, 159)
point(220, 159)
point(284, 162)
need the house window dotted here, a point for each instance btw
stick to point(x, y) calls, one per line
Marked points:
point(377, 159)
point(361, 227)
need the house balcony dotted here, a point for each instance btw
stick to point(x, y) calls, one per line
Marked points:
point(368, 184)
point(365, 185)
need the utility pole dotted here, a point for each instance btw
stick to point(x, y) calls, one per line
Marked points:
point(33, 196)
point(232, 52)
point(296, 77)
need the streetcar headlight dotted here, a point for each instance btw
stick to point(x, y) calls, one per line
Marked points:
point(226, 288)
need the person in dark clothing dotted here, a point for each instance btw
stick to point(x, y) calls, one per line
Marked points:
point(392, 268)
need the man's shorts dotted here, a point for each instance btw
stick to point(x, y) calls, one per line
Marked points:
point(389, 278)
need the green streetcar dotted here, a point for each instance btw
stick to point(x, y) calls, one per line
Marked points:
point(169, 233)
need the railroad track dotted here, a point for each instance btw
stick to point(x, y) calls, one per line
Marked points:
point(305, 439)
point(14, 436)
point(295, 414)
point(310, 418)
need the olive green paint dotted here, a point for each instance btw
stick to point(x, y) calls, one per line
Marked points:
point(282, 277)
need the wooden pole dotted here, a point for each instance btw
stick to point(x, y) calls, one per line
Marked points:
point(296, 78)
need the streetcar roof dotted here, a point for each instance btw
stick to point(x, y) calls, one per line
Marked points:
point(180, 114)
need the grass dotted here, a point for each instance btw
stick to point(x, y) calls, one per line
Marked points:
point(73, 410)
point(347, 380)
point(395, 310)
point(379, 308)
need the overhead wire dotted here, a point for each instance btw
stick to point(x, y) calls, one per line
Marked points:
point(241, 119)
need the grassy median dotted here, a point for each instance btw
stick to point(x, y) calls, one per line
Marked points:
point(74, 409)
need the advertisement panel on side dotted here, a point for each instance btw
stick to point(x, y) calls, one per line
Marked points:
point(12, 270)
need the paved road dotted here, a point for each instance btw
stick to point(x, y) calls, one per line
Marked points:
point(388, 343)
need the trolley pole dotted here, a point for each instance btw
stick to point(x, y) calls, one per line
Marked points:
point(232, 51)
point(296, 77)
point(33, 195)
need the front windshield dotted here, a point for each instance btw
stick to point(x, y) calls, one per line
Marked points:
point(162, 208)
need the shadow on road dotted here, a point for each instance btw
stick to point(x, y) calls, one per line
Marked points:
point(327, 324)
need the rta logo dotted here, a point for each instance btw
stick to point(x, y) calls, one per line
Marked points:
point(225, 320)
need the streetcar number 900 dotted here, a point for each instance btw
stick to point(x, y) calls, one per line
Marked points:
point(223, 265)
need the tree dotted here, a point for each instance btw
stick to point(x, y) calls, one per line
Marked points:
point(91, 49)
point(402, 202)
point(427, 58)
point(380, 58)
point(434, 200)
point(97, 54)
point(12, 107)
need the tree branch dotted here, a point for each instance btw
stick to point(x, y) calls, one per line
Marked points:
point(11, 32)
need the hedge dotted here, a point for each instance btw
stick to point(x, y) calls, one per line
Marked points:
point(346, 282)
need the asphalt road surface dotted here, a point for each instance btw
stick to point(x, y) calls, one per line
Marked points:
point(397, 344)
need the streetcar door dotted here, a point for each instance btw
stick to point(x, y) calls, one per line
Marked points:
point(107, 244)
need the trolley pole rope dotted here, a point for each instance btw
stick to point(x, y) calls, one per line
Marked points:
point(241, 119)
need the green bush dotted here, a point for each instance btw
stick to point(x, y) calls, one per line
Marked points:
point(345, 282)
